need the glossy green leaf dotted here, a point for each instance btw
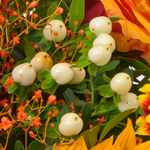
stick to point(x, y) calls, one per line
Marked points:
point(18, 145)
point(69, 96)
point(51, 10)
point(48, 83)
point(53, 89)
point(109, 66)
point(65, 109)
point(76, 13)
point(90, 136)
point(83, 61)
point(51, 133)
point(32, 87)
point(12, 88)
point(35, 36)
point(82, 91)
point(39, 146)
point(29, 49)
point(106, 78)
point(113, 19)
point(79, 86)
point(108, 106)
point(44, 44)
point(105, 90)
point(113, 122)
point(4, 78)
point(87, 45)
point(92, 68)
point(85, 27)
point(116, 98)
point(92, 36)
point(86, 114)
point(43, 75)
point(21, 92)
point(79, 103)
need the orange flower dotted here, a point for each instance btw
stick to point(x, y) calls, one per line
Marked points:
point(36, 122)
point(16, 40)
point(132, 31)
point(6, 123)
point(2, 19)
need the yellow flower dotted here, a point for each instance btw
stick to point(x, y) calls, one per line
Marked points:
point(126, 140)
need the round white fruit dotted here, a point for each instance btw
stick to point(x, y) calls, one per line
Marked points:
point(121, 83)
point(62, 73)
point(106, 39)
point(78, 75)
point(100, 54)
point(128, 101)
point(55, 31)
point(100, 25)
point(70, 124)
point(24, 74)
point(41, 61)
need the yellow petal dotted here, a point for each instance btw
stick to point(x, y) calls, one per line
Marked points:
point(62, 147)
point(143, 146)
point(143, 130)
point(126, 136)
point(145, 89)
point(113, 147)
point(105, 144)
point(141, 121)
point(79, 145)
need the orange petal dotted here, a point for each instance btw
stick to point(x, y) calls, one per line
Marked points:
point(145, 102)
point(113, 147)
point(143, 146)
point(105, 144)
point(126, 136)
point(79, 145)
point(141, 121)
point(62, 147)
point(143, 130)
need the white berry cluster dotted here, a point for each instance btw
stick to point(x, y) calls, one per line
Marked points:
point(121, 84)
point(104, 44)
point(70, 124)
point(25, 73)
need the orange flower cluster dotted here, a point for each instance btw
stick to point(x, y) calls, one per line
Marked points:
point(5, 123)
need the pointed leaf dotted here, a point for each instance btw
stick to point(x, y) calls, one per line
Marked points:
point(83, 61)
point(76, 13)
point(92, 36)
point(116, 98)
point(48, 83)
point(92, 68)
point(11, 89)
point(113, 19)
point(21, 92)
point(44, 44)
point(43, 75)
point(18, 145)
point(53, 89)
point(106, 78)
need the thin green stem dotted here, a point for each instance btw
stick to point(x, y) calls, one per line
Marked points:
point(92, 91)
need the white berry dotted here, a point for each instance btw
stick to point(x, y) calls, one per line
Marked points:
point(100, 25)
point(62, 73)
point(41, 61)
point(128, 101)
point(78, 75)
point(100, 54)
point(24, 74)
point(121, 83)
point(106, 39)
point(55, 31)
point(70, 124)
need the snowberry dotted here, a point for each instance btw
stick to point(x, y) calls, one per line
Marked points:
point(128, 101)
point(41, 61)
point(100, 25)
point(55, 31)
point(106, 39)
point(78, 76)
point(100, 54)
point(24, 74)
point(62, 73)
point(70, 124)
point(121, 83)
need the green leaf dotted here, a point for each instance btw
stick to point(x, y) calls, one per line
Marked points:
point(113, 19)
point(43, 75)
point(79, 86)
point(53, 89)
point(80, 103)
point(4, 78)
point(29, 49)
point(87, 45)
point(51, 133)
point(90, 136)
point(106, 78)
point(83, 61)
point(82, 91)
point(69, 96)
point(48, 83)
point(86, 114)
point(11, 89)
point(92, 68)
point(109, 66)
point(32, 87)
point(51, 10)
point(76, 13)
point(105, 90)
point(35, 36)
point(44, 44)
point(21, 92)
point(85, 27)
point(116, 98)
point(113, 122)
point(92, 36)
point(39, 146)
point(108, 106)
point(18, 145)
